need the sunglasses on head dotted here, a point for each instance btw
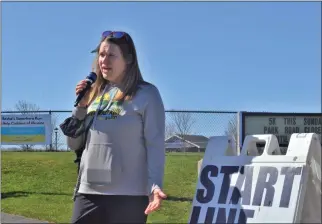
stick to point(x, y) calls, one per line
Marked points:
point(114, 34)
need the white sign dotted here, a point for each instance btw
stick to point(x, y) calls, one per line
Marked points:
point(281, 125)
point(260, 189)
point(33, 129)
point(246, 194)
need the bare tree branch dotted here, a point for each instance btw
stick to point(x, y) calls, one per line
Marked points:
point(170, 129)
point(25, 107)
point(183, 123)
point(232, 129)
point(54, 124)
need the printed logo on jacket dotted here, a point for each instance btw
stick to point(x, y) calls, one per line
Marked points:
point(105, 113)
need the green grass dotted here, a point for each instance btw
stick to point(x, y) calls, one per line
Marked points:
point(40, 185)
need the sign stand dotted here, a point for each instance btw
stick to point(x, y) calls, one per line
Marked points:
point(219, 146)
point(266, 188)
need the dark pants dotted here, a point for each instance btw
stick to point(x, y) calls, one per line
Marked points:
point(96, 209)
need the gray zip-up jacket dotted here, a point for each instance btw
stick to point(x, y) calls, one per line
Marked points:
point(125, 148)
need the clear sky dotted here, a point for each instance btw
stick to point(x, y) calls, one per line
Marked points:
point(263, 56)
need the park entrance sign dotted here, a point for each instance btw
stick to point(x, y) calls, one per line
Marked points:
point(32, 129)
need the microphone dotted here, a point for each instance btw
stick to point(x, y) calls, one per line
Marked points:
point(90, 79)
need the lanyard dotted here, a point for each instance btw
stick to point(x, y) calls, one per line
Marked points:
point(112, 95)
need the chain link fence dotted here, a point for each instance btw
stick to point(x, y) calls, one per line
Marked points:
point(189, 125)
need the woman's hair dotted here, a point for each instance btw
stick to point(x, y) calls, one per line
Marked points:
point(132, 77)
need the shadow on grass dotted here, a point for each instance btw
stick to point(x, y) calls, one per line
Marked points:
point(181, 199)
point(15, 194)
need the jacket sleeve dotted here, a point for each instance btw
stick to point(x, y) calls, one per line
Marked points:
point(75, 143)
point(154, 135)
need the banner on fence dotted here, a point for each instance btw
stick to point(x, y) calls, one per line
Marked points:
point(31, 129)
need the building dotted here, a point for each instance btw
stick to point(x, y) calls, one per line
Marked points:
point(186, 143)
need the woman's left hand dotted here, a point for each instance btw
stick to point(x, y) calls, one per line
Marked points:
point(155, 201)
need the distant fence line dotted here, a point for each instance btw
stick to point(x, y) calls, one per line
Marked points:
point(182, 122)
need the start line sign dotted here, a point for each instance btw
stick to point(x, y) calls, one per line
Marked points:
point(240, 194)
point(254, 189)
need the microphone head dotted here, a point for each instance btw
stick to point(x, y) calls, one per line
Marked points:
point(92, 76)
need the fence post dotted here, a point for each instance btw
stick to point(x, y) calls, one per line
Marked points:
point(51, 139)
point(238, 132)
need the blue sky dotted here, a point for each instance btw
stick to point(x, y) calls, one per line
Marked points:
point(202, 56)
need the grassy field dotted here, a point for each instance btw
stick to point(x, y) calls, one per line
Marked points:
point(40, 185)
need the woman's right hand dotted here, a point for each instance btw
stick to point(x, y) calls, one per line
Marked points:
point(79, 87)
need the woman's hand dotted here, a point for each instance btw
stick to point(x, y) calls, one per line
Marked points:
point(155, 201)
point(79, 87)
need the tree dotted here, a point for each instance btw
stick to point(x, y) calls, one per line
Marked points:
point(232, 129)
point(54, 124)
point(183, 122)
point(25, 107)
point(170, 129)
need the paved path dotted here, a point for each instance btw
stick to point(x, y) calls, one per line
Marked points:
point(7, 218)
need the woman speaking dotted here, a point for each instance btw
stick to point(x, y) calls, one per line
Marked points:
point(122, 165)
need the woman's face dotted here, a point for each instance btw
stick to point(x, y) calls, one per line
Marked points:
point(111, 62)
